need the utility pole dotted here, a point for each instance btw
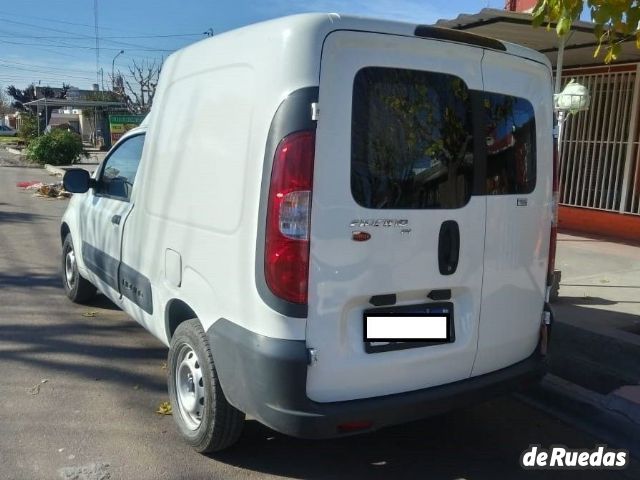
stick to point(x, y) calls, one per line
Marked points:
point(95, 20)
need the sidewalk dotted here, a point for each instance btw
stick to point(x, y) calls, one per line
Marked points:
point(594, 357)
point(89, 163)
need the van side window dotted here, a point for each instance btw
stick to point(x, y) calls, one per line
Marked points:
point(511, 144)
point(412, 140)
point(120, 168)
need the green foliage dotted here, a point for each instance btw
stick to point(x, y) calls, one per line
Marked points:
point(60, 147)
point(104, 96)
point(20, 97)
point(616, 20)
point(28, 128)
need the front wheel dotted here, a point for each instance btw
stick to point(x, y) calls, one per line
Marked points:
point(206, 420)
point(77, 288)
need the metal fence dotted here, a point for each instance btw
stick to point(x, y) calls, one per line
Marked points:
point(599, 162)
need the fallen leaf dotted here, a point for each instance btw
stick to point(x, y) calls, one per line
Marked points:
point(35, 390)
point(90, 314)
point(164, 409)
point(604, 280)
point(164, 365)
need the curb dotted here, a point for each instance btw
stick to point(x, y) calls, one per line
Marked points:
point(609, 417)
point(54, 170)
point(61, 170)
point(599, 359)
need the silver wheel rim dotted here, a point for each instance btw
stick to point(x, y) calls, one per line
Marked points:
point(189, 387)
point(70, 268)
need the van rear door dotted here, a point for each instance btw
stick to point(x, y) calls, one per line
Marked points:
point(518, 120)
point(394, 161)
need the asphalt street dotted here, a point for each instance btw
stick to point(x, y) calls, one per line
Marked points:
point(79, 387)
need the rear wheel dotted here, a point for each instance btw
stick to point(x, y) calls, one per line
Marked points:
point(77, 288)
point(206, 420)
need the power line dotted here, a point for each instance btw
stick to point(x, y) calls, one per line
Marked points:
point(83, 47)
point(49, 42)
point(57, 21)
point(84, 37)
point(27, 69)
point(45, 66)
point(88, 37)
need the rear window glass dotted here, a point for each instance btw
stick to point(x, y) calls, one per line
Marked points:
point(412, 140)
point(511, 144)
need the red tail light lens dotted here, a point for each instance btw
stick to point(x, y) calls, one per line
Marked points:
point(554, 220)
point(356, 426)
point(289, 216)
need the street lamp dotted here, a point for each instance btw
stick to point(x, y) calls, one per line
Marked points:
point(113, 63)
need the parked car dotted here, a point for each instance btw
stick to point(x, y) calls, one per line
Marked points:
point(7, 131)
point(313, 222)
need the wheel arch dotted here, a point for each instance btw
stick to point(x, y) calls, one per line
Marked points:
point(64, 231)
point(176, 312)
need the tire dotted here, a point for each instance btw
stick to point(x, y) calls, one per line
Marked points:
point(206, 420)
point(76, 287)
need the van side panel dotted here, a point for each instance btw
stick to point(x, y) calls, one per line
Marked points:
point(198, 191)
point(518, 226)
point(207, 165)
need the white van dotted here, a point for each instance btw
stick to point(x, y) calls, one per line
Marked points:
point(335, 224)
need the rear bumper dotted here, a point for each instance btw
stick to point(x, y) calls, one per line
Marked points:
point(266, 378)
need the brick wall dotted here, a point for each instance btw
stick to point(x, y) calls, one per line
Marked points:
point(519, 5)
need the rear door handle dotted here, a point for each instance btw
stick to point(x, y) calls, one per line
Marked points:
point(116, 219)
point(448, 247)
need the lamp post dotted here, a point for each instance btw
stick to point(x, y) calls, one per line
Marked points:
point(113, 64)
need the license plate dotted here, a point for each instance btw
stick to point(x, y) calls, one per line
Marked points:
point(409, 326)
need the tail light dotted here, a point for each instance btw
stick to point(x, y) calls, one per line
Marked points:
point(356, 426)
point(554, 218)
point(288, 218)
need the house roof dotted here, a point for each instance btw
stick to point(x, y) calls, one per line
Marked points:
point(65, 102)
point(516, 27)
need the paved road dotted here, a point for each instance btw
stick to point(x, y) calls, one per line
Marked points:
point(94, 416)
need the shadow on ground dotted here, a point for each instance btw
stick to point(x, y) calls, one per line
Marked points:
point(93, 349)
point(586, 348)
point(483, 442)
point(30, 280)
point(24, 217)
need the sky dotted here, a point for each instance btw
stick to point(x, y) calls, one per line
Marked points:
point(47, 42)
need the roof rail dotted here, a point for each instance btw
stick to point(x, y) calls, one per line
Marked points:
point(439, 33)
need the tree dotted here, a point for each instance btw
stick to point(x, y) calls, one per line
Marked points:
point(59, 147)
point(141, 85)
point(28, 126)
point(20, 97)
point(615, 20)
point(63, 92)
point(5, 104)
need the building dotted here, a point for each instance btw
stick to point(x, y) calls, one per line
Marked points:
point(83, 111)
point(600, 157)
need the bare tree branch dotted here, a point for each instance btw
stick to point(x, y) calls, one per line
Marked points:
point(140, 86)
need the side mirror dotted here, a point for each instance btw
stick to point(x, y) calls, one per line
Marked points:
point(77, 180)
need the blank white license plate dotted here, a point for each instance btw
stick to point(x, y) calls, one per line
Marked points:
point(394, 327)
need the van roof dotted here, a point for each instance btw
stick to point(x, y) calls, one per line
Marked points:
point(319, 25)
point(294, 44)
